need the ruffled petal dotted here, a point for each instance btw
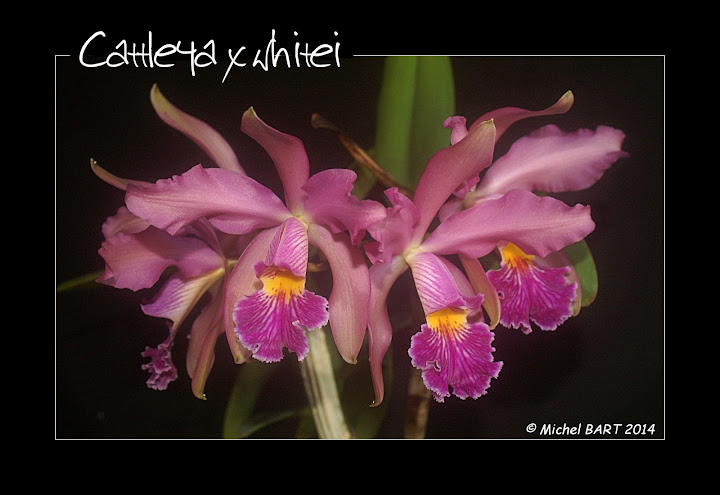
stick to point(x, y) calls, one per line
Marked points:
point(393, 233)
point(202, 134)
point(448, 169)
point(330, 202)
point(538, 225)
point(278, 315)
point(287, 152)
point(161, 368)
point(529, 291)
point(242, 282)
point(551, 160)
point(454, 354)
point(382, 278)
point(350, 289)
point(136, 261)
point(437, 287)
point(232, 202)
point(505, 117)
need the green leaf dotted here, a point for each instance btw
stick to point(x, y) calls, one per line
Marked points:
point(581, 258)
point(434, 102)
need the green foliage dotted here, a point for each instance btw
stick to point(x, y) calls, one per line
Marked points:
point(582, 259)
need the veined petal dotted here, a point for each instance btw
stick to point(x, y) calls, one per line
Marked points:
point(287, 152)
point(551, 160)
point(382, 278)
point(178, 296)
point(393, 233)
point(350, 289)
point(136, 261)
point(529, 291)
point(448, 169)
point(437, 287)
point(453, 353)
point(538, 225)
point(505, 117)
point(278, 315)
point(161, 368)
point(123, 221)
point(330, 202)
point(232, 202)
point(288, 250)
point(202, 134)
point(242, 282)
point(481, 284)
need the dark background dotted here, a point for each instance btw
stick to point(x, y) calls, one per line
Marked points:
point(604, 366)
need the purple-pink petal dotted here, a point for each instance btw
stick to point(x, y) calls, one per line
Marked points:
point(288, 250)
point(329, 202)
point(205, 330)
point(287, 153)
point(457, 361)
point(393, 233)
point(232, 202)
point(505, 117)
point(529, 291)
point(350, 289)
point(136, 261)
point(161, 368)
point(551, 160)
point(437, 287)
point(538, 225)
point(201, 133)
point(123, 221)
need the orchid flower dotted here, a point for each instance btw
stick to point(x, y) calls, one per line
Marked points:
point(137, 254)
point(453, 348)
point(542, 289)
point(266, 299)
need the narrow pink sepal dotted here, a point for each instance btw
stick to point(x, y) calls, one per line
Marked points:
point(551, 160)
point(287, 153)
point(393, 233)
point(505, 117)
point(232, 202)
point(481, 284)
point(114, 180)
point(382, 278)
point(448, 169)
point(209, 140)
point(538, 225)
point(266, 325)
point(350, 293)
point(204, 333)
point(461, 364)
point(288, 250)
point(136, 261)
point(541, 294)
point(329, 202)
point(242, 282)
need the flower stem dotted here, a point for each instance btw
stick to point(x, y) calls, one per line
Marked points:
point(321, 388)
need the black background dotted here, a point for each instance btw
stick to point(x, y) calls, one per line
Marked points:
point(604, 366)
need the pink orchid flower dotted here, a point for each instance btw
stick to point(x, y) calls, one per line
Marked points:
point(453, 348)
point(542, 289)
point(266, 301)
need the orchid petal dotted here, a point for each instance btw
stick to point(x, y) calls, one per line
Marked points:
point(178, 296)
point(458, 128)
point(330, 202)
point(161, 368)
point(550, 160)
point(287, 152)
point(382, 277)
point(114, 180)
point(123, 221)
point(288, 250)
point(136, 261)
point(481, 284)
point(436, 285)
point(350, 289)
point(242, 282)
point(538, 225)
point(448, 169)
point(232, 202)
point(202, 134)
point(505, 117)
point(394, 232)
point(201, 347)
